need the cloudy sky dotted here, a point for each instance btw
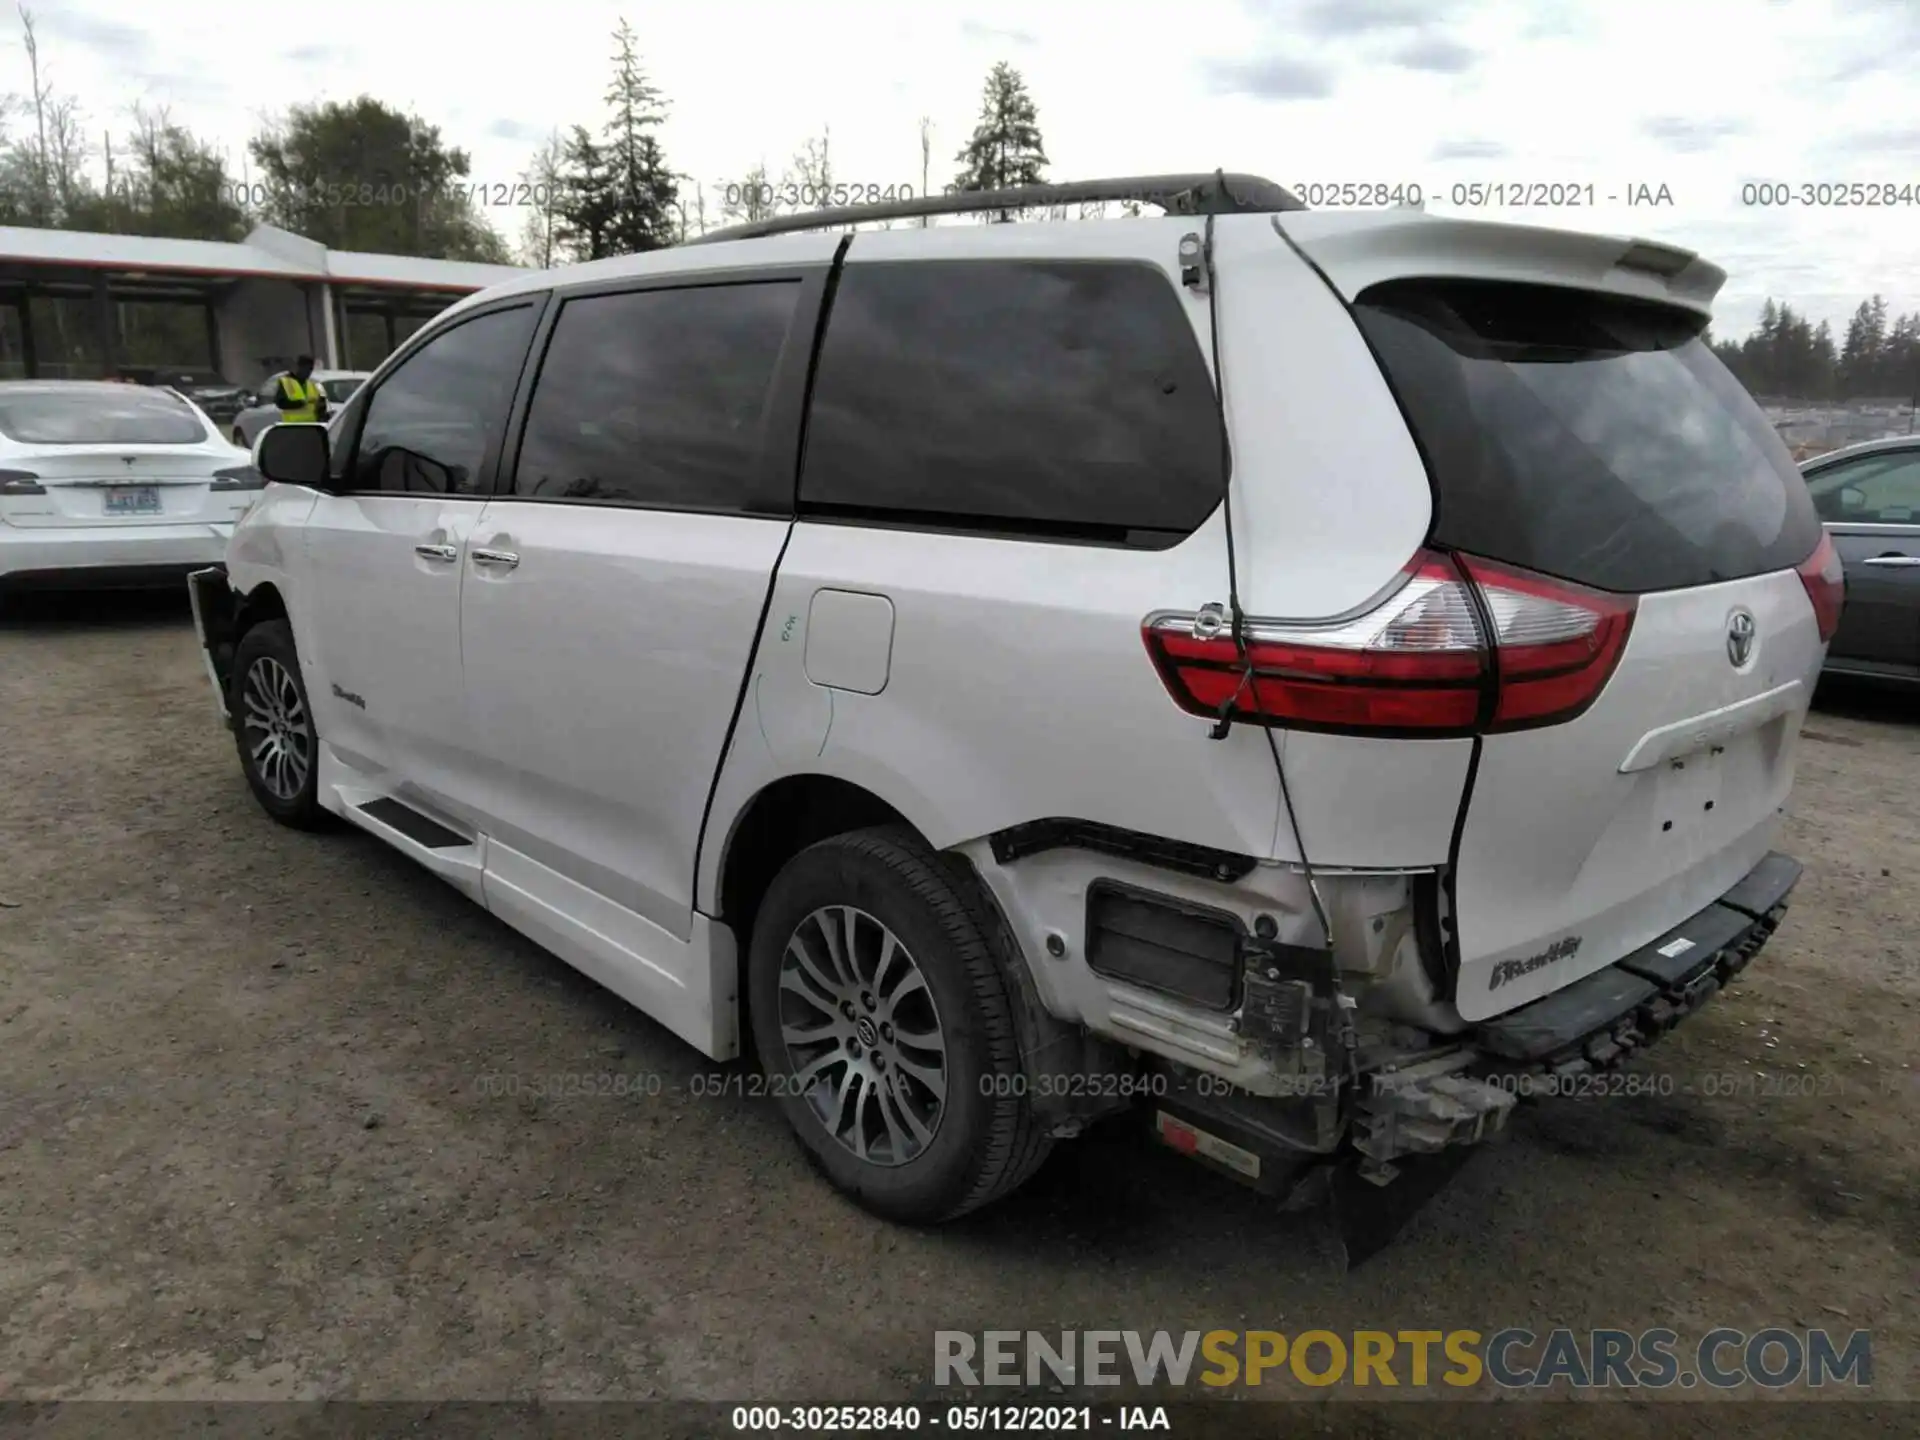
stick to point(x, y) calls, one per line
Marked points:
point(1699, 96)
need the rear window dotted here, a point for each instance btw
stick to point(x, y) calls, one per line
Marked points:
point(1586, 436)
point(341, 391)
point(1049, 398)
point(111, 415)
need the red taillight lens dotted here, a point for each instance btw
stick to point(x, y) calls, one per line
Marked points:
point(1411, 665)
point(1557, 643)
point(1826, 583)
point(1417, 664)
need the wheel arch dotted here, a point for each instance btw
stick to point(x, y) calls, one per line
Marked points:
point(783, 818)
point(787, 815)
point(262, 603)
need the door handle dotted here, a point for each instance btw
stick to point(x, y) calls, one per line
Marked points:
point(436, 552)
point(1894, 562)
point(504, 559)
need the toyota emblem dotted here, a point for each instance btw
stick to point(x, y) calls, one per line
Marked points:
point(1740, 632)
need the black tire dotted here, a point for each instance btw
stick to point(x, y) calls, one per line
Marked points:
point(986, 1141)
point(263, 648)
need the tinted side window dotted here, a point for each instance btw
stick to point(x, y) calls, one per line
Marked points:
point(426, 428)
point(656, 397)
point(1050, 397)
point(1873, 490)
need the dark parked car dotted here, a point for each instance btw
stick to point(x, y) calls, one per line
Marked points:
point(220, 398)
point(1869, 497)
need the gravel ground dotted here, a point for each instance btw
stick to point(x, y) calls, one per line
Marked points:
point(269, 1129)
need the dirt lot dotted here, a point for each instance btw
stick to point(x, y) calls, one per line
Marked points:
point(255, 1139)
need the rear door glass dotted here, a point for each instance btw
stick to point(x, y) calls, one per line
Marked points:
point(1587, 436)
point(1045, 398)
point(657, 397)
point(1873, 490)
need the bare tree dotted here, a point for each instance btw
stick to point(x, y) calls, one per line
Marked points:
point(41, 100)
point(698, 217)
point(810, 175)
point(749, 199)
point(926, 162)
point(149, 132)
point(543, 178)
point(67, 151)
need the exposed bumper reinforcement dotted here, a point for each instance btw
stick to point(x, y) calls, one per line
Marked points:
point(213, 607)
point(1422, 1111)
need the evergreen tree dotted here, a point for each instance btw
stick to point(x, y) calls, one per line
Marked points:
point(1861, 357)
point(1786, 357)
point(1902, 357)
point(583, 206)
point(1824, 365)
point(1006, 149)
point(644, 190)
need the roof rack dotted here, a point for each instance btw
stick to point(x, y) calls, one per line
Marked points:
point(1212, 193)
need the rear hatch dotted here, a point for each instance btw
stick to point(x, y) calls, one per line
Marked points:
point(113, 456)
point(1643, 551)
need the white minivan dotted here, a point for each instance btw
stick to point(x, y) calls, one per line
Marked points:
point(1289, 673)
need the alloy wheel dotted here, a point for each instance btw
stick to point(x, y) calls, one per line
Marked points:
point(862, 1035)
point(278, 733)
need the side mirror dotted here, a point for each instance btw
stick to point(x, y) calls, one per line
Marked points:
point(294, 455)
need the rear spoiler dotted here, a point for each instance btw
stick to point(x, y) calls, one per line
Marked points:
point(1360, 250)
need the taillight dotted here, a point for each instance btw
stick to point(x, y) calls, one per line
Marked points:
point(1826, 584)
point(238, 477)
point(1556, 643)
point(20, 482)
point(1419, 663)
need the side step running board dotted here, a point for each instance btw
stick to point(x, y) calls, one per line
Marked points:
point(461, 860)
point(421, 829)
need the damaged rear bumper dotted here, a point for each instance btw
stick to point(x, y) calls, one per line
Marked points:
point(1463, 1094)
point(1601, 1022)
point(213, 624)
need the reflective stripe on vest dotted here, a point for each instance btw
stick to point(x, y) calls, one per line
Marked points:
point(308, 394)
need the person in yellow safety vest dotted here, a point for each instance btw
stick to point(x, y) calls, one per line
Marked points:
point(297, 397)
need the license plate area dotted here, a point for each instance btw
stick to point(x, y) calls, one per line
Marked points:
point(133, 500)
point(1687, 794)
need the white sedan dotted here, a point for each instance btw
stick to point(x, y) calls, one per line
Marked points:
point(105, 485)
point(337, 385)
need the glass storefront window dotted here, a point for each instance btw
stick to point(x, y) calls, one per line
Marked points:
point(366, 339)
point(13, 350)
point(66, 338)
point(164, 334)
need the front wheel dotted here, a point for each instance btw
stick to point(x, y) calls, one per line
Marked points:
point(273, 726)
point(883, 1019)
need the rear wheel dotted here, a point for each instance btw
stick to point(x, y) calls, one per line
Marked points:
point(884, 1022)
point(273, 726)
